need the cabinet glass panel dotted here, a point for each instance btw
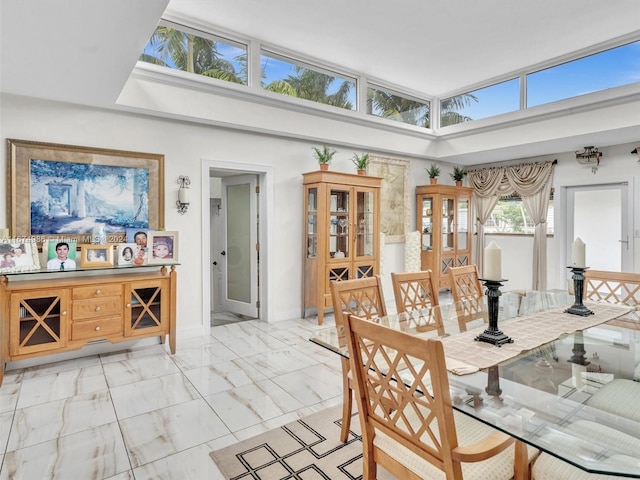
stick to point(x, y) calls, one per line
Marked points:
point(463, 223)
point(339, 224)
point(145, 307)
point(427, 223)
point(447, 225)
point(39, 321)
point(364, 224)
point(312, 222)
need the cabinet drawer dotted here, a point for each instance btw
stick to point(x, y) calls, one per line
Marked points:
point(97, 328)
point(97, 307)
point(97, 291)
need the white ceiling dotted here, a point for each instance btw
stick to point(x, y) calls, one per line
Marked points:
point(83, 51)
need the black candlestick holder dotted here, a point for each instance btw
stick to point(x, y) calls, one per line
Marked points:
point(578, 287)
point(493, 334)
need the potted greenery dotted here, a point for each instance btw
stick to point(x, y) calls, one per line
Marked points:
point(323, 155)
point(458, 175)
point(434, 172)
point(361, 162)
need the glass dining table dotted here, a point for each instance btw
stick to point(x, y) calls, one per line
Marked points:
point(575, 397)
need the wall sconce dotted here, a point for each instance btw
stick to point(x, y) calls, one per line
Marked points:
point(183, 194)
point(589, 156)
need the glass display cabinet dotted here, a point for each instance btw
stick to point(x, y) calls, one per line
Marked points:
point(444, 219)
point(341, 233)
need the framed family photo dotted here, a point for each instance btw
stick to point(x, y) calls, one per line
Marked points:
point(125, 253)
point(96, 255)
point(61, 254)
point(163, 247)
point(18, 255)
point(65, 191)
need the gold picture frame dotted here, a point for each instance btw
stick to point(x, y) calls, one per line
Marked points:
point(92, 256)
point(64, 191)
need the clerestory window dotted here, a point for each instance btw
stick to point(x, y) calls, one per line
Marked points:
point(395, 106)
point(202, 54)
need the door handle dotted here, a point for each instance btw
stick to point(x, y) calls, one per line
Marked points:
point(223, 253)
point(625, 241)
point(215, 263)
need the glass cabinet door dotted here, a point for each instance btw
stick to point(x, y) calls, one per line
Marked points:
point(312, 222)
point(427, 223)
point(339, 224)
point(463, 224)
point(447, 225)
point(364, 226)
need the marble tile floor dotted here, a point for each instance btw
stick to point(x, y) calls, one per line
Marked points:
point(146, 414)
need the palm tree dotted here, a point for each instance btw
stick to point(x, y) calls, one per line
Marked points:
point(449, 107)
point(190, 53)
point(398, 108)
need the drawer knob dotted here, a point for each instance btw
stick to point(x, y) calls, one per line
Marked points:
point(128, 305)
point(97, 329)
point(98, 292)
point(97, 309)
point(64, 312)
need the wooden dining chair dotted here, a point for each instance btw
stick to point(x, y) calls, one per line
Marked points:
point(417, 436)
point(362, 297)
point(416, 291)
point(467, 294)
point(612, 287)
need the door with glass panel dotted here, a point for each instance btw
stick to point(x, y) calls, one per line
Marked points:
point(240, 251)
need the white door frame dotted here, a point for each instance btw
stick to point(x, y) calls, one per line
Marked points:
point(265, 182)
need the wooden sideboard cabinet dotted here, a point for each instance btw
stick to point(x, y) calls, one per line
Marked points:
point(444, 219)
point(341, 233)
point(45, 313)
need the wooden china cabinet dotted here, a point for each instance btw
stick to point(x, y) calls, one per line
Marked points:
point(445, 221)
point(341, 233)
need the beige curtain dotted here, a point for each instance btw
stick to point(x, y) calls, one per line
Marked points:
point(532, 181)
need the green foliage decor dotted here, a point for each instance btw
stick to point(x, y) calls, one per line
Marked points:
point(458, 174)
point(324, 154)
point(433, 171)
point(360, 161)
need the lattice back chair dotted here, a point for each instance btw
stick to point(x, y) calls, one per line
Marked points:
point(362, 297)
point(467, 294)
point(416, 291)
point(612, 287)
point(408, 423)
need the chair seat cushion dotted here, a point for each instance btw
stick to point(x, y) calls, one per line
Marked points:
point(469, 431)
point(620, 397)
point(596, 437)
point(547, 467)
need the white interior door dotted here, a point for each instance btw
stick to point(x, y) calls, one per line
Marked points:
point(239, 254)
point(599, 216)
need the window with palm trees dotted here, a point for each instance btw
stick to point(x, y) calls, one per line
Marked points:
point(288, 77)
point(395, 106)
point(482, 103)
point(181, 49)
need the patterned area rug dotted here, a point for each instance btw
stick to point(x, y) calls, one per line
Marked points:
point(307, 449)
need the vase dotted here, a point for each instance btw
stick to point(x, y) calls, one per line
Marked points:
point(362, 171)
point(324, 166)
point(433, 181)
point(458, 183)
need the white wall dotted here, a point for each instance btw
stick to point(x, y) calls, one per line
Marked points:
point(186, 144)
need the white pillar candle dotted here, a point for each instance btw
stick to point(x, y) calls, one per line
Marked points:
point(493, 261)
point(183, 195)
point(578, 254)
